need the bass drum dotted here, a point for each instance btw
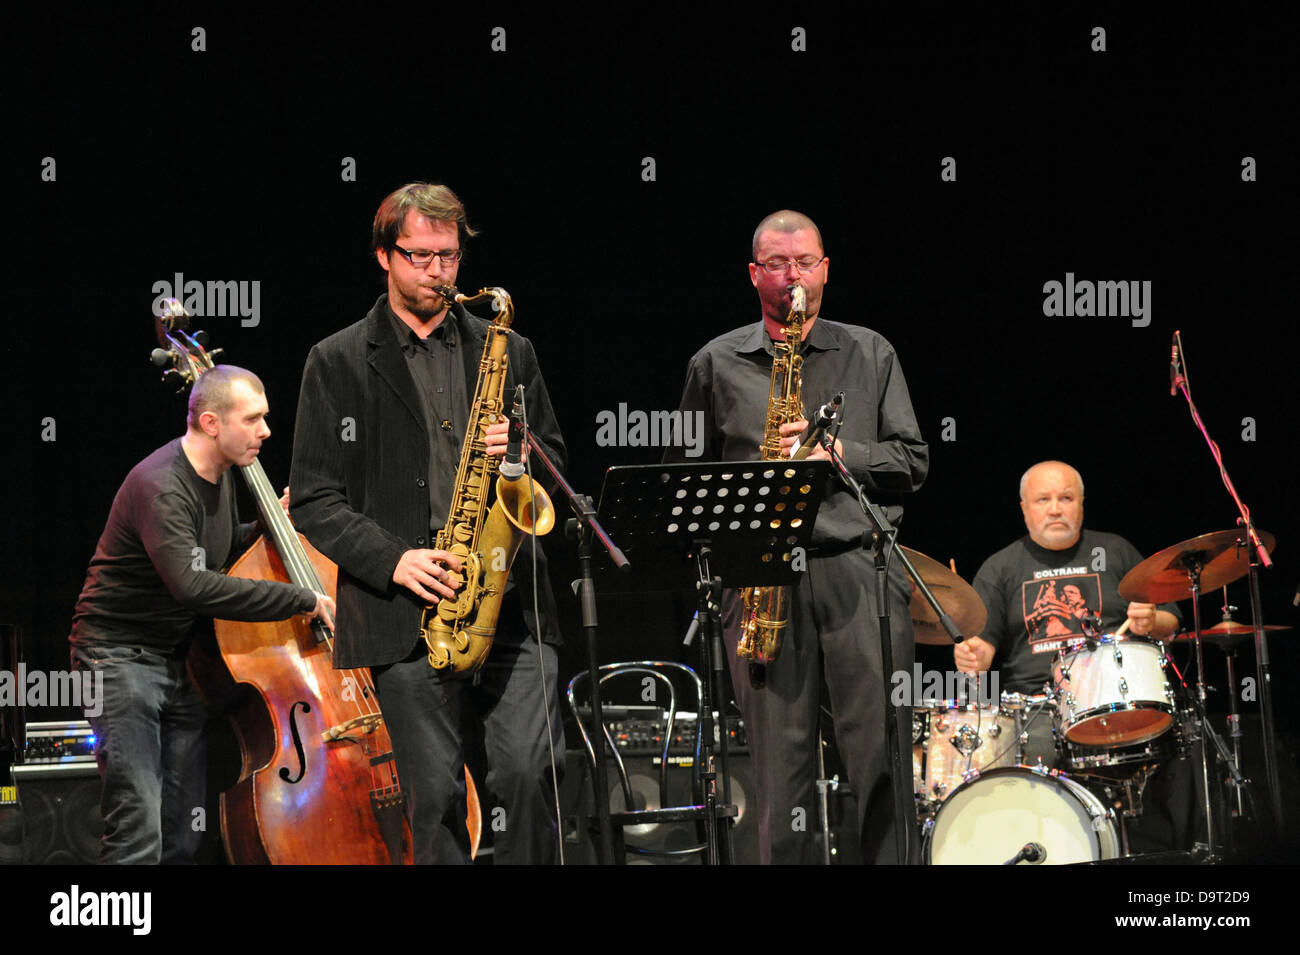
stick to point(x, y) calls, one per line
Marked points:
point(987, 820)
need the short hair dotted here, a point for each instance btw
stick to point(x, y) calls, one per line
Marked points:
point(786, 220)
point(1024, 478)
point(428, 199)
point(214, 392)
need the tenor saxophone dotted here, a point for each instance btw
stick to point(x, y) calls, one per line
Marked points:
point(459, 631)
point(763, 620)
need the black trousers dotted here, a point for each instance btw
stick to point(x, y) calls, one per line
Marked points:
point(425, 710)
point(833, 631)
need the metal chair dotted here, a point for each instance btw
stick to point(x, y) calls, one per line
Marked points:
point(687, 688)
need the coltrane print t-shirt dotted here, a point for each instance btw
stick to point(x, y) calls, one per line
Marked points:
point(1037, 599)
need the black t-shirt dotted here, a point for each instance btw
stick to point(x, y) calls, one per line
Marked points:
point(1035, 597)
point(156, 565)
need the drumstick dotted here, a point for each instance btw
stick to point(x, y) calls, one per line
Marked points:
point(1122, 627)
point(952, 561)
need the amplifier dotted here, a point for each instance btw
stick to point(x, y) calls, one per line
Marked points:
point(59, 744)
point(639, 730)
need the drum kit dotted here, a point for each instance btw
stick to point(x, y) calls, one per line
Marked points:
point(986, 790)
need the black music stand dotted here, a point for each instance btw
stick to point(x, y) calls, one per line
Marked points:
point(684, 525)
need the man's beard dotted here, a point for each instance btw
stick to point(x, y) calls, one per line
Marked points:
point(421, 309)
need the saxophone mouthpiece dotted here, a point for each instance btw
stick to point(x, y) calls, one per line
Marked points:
point(448, 293)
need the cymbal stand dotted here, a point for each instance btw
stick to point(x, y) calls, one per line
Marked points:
point(1234, 718)
point(1192, 565)
point(1259, 557)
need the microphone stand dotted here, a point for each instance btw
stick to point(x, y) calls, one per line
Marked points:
point(583, 526)
point(882, 534)
point(1259, 556)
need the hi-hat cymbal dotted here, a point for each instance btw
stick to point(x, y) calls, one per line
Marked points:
point(957, 598)
point(1226, 632)
point(1162, 577)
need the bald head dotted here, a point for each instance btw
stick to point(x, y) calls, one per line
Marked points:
point(1051, 499)
point(1045, 465)
point(787, 221)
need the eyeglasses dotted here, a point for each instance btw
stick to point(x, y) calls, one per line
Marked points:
point(421, 260)
point(807, 264)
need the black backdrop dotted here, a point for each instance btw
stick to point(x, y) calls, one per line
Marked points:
point(226, 164)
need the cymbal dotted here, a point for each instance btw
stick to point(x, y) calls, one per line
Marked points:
point(957, 598)
point(1162, 578)
point(1226, 632)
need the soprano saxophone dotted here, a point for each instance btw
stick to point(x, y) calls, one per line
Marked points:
point(459, 631)
point(763, 621)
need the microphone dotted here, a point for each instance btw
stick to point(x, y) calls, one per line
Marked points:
point(826, 416)
point(1032, 853)
point(513, 465)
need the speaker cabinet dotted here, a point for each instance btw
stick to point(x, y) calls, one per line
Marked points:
point(59, 814)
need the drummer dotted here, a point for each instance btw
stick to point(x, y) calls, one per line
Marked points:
point(1041, 589)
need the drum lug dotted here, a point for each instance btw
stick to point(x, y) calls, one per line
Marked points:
point(995, 731)
point(1119, 657)
point(1123, 686)
point(965, 740)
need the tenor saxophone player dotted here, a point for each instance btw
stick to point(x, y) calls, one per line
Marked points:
point(832, 629)
point(381, 421)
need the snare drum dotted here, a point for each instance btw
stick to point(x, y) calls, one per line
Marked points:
point(990, 817)
point(951, 740)
point(1112, 692)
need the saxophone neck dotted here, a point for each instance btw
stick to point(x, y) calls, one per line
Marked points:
point(499, 297)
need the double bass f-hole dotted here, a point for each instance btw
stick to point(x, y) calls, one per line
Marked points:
point(297, 743)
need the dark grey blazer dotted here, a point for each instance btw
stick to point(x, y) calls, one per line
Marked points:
point(360, 466)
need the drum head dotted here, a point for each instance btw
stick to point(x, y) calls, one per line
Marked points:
point(989, 819)
point(1117, 727)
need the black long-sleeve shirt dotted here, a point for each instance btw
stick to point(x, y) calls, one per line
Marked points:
point(156, 566)
point(729, 380)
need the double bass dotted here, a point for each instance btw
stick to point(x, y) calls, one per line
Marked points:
point(318, 783)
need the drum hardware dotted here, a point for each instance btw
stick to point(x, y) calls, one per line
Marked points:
point(1211, 561)
point(1177, 573)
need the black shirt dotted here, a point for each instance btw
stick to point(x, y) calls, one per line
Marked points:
point(729, 380)
point(1033, 597)
point(438, 371)
point(156, 565)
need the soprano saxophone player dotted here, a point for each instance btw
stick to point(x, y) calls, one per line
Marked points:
point(833, 629)
point(381, 420)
